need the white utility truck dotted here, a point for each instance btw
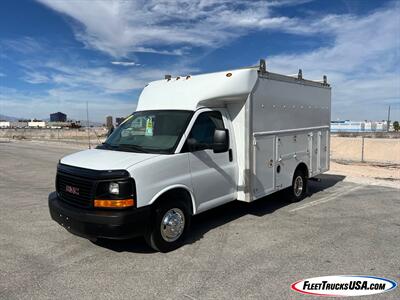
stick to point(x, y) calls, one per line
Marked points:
point(194, 143)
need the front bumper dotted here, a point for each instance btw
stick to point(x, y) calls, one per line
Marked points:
point(112, 224)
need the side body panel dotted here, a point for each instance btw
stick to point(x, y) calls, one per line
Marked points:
point(279, 106)
point(289, 125)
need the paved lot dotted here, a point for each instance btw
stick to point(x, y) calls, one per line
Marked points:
point(236, 251)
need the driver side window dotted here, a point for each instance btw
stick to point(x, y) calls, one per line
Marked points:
point(204, 127)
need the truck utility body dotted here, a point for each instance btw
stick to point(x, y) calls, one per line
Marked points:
point(194, 143)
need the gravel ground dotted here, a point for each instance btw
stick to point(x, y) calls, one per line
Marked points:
point(237, 251)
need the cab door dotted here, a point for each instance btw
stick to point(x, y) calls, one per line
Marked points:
point(214, 175)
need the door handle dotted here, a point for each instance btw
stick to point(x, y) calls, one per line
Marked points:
point(230, 155)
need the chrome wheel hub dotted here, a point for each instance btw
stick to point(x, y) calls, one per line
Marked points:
point(298, 186)
point(172, 224)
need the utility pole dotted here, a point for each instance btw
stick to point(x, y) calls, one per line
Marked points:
point(388, 120)
point(87, 122)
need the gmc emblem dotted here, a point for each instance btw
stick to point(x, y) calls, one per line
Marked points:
point(72, 189)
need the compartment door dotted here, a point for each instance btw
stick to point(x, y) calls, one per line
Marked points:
point(324, 147)
point(313, 141)
point(264, 165)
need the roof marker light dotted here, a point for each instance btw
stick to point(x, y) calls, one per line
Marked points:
point(228, 74)
point(263, 66)
point(168, 77)
point(177, 78)
point(187, 77)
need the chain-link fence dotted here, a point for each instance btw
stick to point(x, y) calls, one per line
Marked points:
point(365, 149)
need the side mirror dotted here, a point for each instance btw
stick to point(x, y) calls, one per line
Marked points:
point(221, 140)
point(110, 131)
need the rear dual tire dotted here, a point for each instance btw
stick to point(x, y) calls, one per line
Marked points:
point(298, 190)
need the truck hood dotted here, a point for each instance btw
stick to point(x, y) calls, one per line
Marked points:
point(97, 159)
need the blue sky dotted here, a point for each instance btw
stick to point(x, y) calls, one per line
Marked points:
point(56, 55)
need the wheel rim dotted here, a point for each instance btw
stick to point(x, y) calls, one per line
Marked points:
point(172, 224)
point(298, 186)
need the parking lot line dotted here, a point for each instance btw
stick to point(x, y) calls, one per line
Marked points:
point(326, 199)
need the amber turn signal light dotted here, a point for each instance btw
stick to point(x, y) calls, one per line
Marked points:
point(114, 203)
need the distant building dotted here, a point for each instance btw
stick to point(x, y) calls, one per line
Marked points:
point(36, 124)
point(376, 126)
point(119, 120)
point(358, 126)
point(4, 124)
point(58, 117)
point(109, 121)
point(20, 124)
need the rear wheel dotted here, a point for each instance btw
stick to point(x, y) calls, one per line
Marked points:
point(169, 226)
point(298, 189)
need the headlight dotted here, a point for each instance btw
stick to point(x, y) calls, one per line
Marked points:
point(115, 193)
point(113, 188)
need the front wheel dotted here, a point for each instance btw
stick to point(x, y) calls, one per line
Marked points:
point(298, 189)
point(169, 226)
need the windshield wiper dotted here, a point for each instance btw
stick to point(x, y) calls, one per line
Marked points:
point(106, 145)
point(132, 147)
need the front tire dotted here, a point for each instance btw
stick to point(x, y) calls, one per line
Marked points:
point(298, 190)
point(169, 226)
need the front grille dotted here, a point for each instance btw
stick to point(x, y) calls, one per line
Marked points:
point(83, 187)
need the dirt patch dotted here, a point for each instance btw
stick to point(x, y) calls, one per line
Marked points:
point(368, 173)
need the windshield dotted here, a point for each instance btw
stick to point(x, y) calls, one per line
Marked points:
point(156, 131)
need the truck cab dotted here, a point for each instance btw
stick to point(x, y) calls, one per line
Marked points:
point(190, 146)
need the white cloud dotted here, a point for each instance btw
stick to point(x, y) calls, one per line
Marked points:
point(103, 79)
point(71, 101)
point(106, 89)
point(361, 60)
point(24, 45)
point(35, 77)
point(125, 63)
point(362, 63)
point(120, 27)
